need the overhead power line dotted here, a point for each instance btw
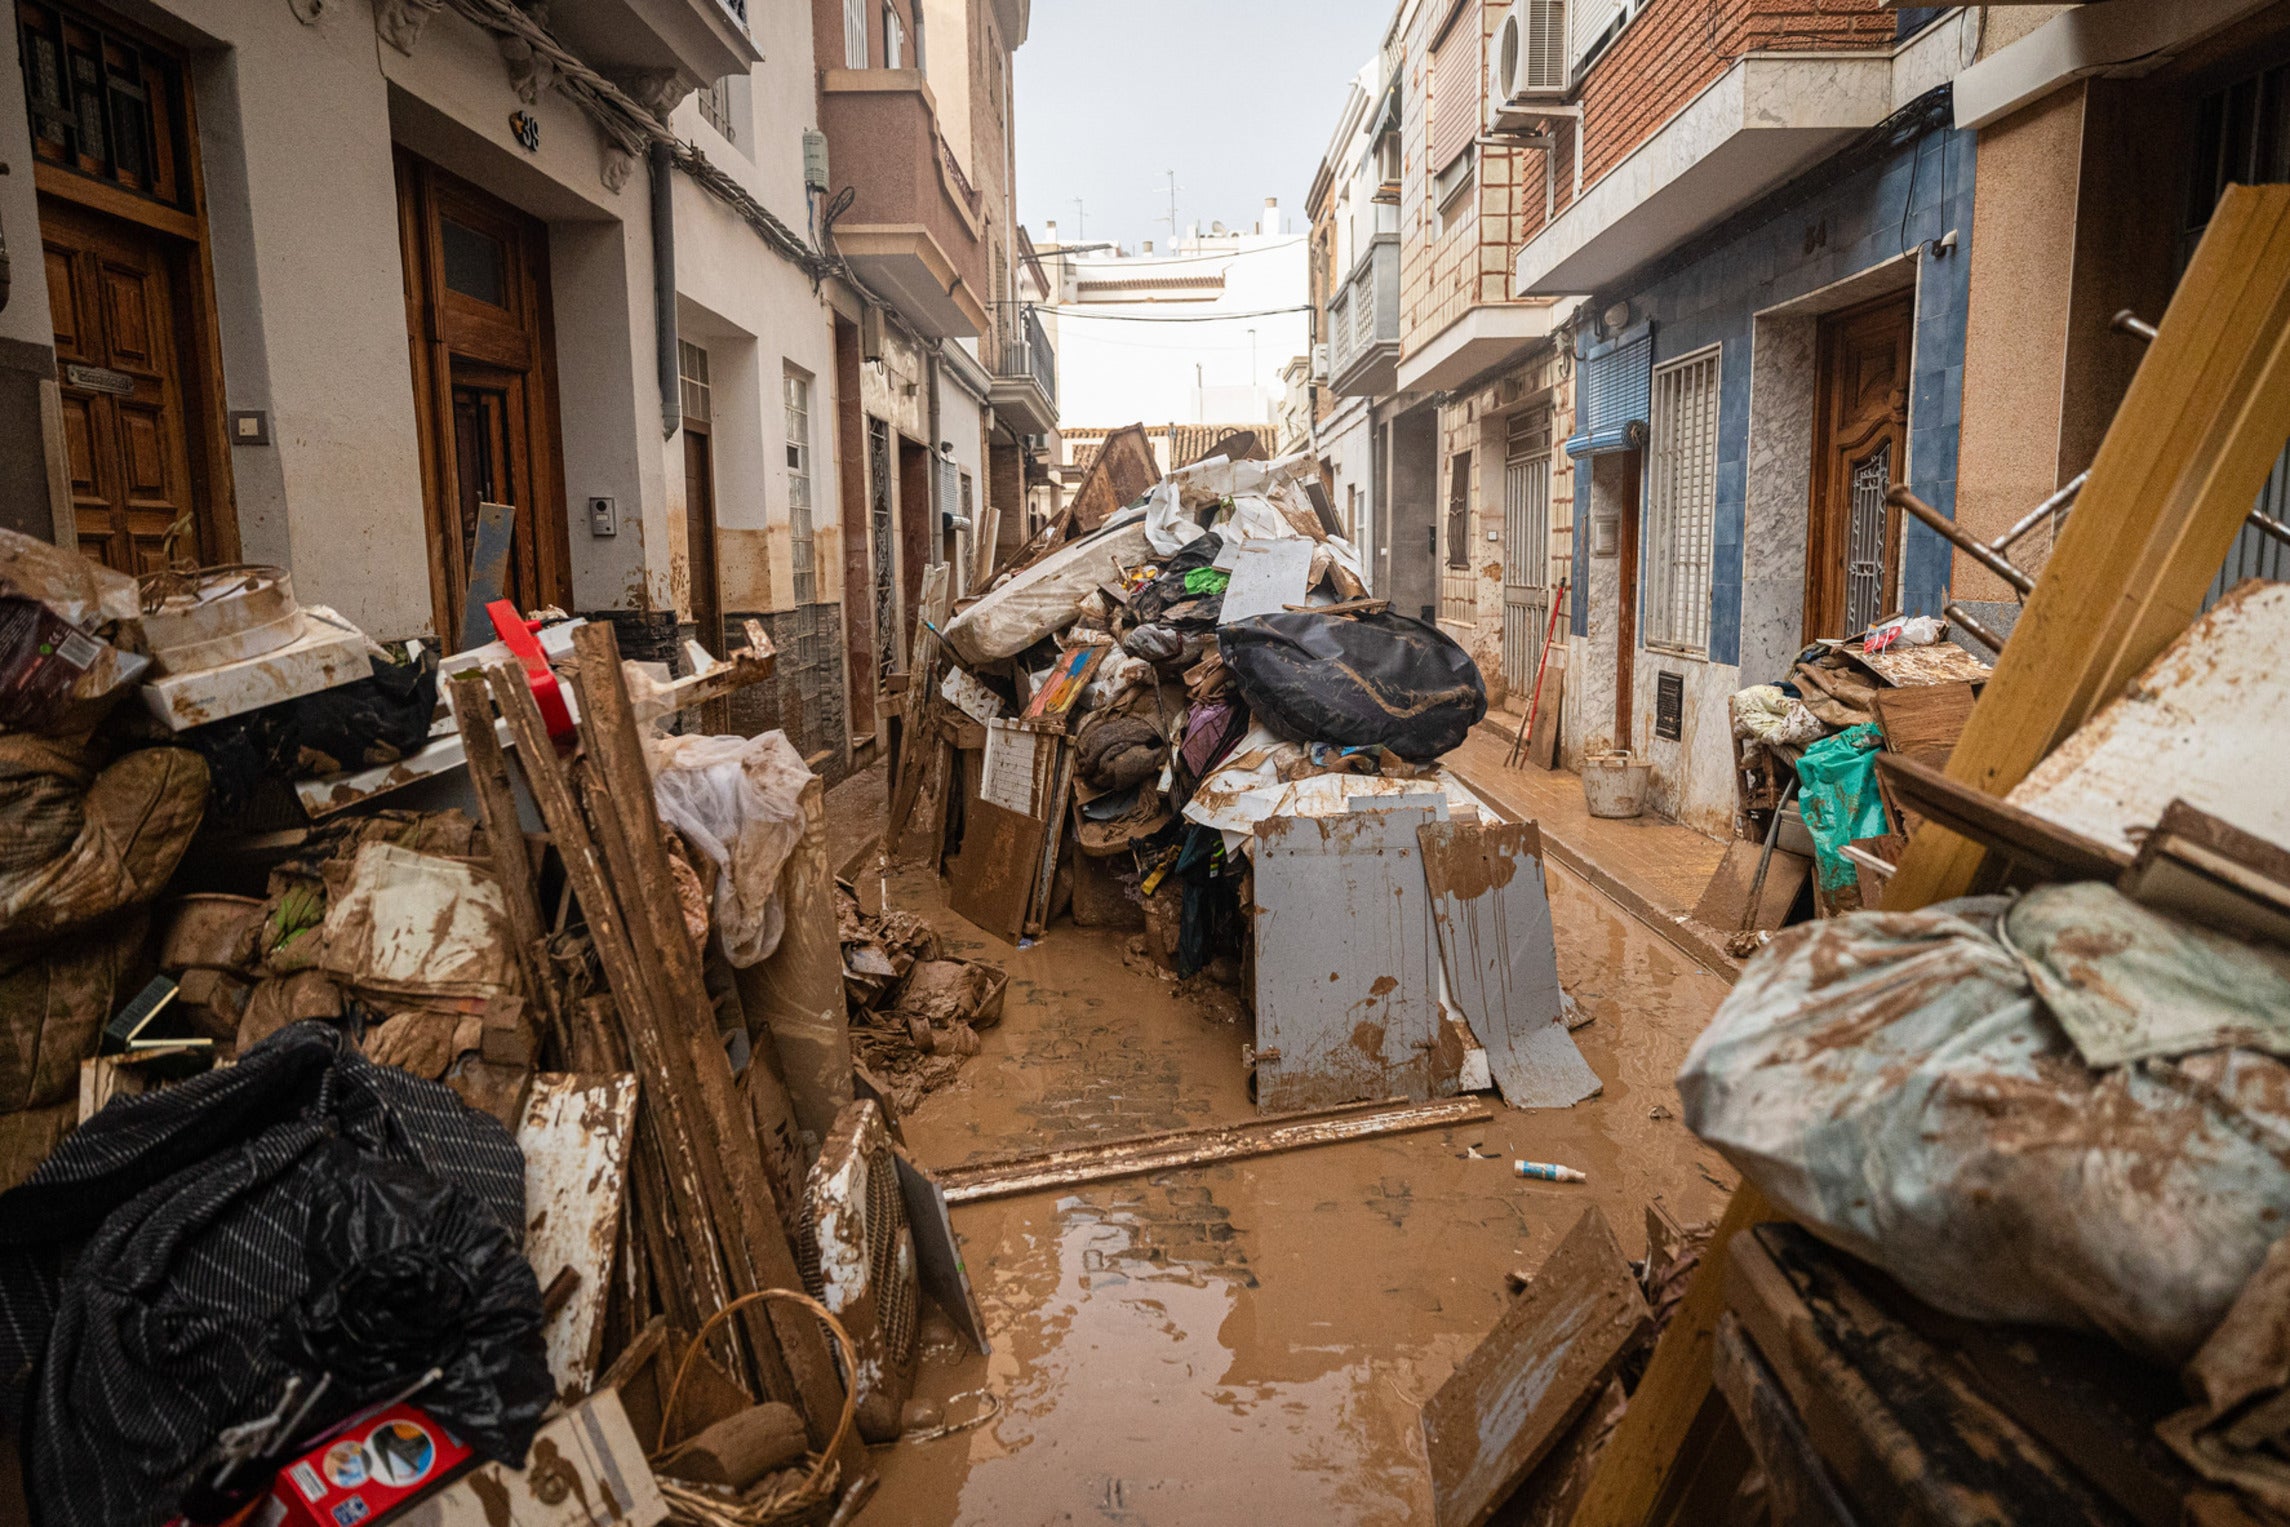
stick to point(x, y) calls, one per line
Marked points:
point(1084, 312)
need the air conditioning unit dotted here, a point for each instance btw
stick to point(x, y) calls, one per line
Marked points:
point(1531, 62)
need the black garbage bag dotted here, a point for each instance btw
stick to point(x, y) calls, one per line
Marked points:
point(1356, 680)
point(167, 1269)
point(1167, 601)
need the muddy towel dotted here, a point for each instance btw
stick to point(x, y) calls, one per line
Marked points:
point(1376, 679)
point(166, 1270)
point(1893, 1081)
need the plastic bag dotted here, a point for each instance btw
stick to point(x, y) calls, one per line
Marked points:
point(73, 849)
point(1375, 679)
point(1765, 712)
point(1837, 793)
point(1891, 1080)
point(740, 801)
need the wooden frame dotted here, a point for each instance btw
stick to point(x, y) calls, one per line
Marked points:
point(1828, 533)
point(457, 339)
point(183, 220)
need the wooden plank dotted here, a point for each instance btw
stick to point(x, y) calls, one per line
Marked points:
point(1903, 1432)
point(1512, 1399)
point(2173, 481)
point(575, 1136)
point(1346, 960)
point(1123, 471)
point(1492, 913)
point(1726, 898)
point(1137, 1155)
point(756, 1226)
point(1796, 1481)
point(2024, 838)
point(1649, 1458)
point(991, 881)
point(1542, 732)
point(505, 839)
point(1923, 722)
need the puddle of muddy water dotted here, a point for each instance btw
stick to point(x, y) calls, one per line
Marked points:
point(1252, 1341)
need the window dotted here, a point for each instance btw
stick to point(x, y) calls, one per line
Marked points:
point(476, 264)
point(1459, 510)
point(1449, 188)
point(716, 108)
point(692, 381)
point(855, 34)
point(1352, 513)
point(1681, 503)
point(799, 540)
point(894, 39)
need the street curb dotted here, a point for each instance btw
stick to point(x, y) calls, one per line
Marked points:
point(1689, 938)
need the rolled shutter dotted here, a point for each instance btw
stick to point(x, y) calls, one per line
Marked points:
point(1457, 107)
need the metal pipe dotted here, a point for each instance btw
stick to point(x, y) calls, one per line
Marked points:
point(2269, 525)
point(1946, 528)
point(2055, 504)
point(2128, 322)
point(663, 161)
point(1972, 627)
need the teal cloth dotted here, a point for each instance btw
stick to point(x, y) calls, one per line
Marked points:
point(1837, 793)
point(1206, 580)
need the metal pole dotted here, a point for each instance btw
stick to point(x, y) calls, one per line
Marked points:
point(663, 160)
point(2055, 504)
point(1946, 528)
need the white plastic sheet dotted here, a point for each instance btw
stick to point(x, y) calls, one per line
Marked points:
point(1892, 1081)
point(740, 802)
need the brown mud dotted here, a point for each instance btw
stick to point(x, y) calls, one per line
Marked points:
point(1250, 1343)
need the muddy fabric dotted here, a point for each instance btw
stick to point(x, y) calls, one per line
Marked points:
point(740, 802)
point(54, 1003)
point(134, 821)
point(1118, 752)
point(151, 1267)
point(2235, 1432)
point(1893, 1082)
point(1379, 678)
point(1837, 792)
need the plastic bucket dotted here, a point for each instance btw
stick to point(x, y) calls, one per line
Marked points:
point(1614, 784)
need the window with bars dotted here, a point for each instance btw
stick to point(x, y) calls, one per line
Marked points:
point(1681, 503)
point(692, 381)
point(1459, 510)
point(102, 104)
point(855, 34)
point(800, 555)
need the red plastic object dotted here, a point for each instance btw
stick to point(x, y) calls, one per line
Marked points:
point(517, 636)
point(366, 1472)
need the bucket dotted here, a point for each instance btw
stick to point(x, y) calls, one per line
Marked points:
point(1614, 784)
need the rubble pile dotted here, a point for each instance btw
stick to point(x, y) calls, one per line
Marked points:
point(457, 1141)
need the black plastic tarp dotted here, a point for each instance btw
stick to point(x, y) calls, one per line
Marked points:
point(1356, 680)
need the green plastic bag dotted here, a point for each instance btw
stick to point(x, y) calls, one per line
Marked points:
point(1206, 580)
point(1837, 792)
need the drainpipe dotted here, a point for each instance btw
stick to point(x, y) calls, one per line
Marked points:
point(939, 510)
point(664, 288)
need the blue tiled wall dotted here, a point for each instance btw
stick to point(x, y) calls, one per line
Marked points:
point(1868, 218)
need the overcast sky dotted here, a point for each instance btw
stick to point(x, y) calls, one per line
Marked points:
point(1239, 97)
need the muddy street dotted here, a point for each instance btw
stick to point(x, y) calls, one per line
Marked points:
point(1266, 1330)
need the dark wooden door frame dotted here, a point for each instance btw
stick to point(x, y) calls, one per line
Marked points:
point(1828, 513)
point(1626, 601)
point(176, 209)
point(451, 337)
point(851, 497)
point(700, 536)
point(917, 538)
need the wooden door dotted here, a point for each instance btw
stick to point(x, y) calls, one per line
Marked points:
point(1860, 449)
point(482, 341)
point(125, 430)
point(700, 537)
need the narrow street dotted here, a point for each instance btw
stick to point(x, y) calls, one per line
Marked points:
point(1264, 1330)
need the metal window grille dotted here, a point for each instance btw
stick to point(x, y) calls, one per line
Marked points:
point(1459, 510)
point(716, 108)
point(855, 34)
point(692, 381)
point(1681, 503)
point(1866, 550)
point(800, 551)
point(1526, 545)
point(882, 528)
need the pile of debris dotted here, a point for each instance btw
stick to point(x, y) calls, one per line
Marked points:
point(1174, 711)
point(565, 1125)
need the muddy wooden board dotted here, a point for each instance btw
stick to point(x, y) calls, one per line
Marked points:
point(575, 1137)
point(1347, 1002)
point(991, 882)
point(1727, 895)
point(1542, 737)
point(1923, 722)
point(938, 1252)
point(1515, 1396)
point(1492, 914)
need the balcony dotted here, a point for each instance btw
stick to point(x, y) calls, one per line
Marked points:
point(702, 40)
point(912, 232)
point(1025, 389)
point(1363, 324)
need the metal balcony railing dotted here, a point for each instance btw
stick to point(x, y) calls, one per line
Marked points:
point(1026, 353)
point(1365, 313)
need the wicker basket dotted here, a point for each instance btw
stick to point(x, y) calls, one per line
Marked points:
point(772, 1503)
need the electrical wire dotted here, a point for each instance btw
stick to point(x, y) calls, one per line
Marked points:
point(1083, 312)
